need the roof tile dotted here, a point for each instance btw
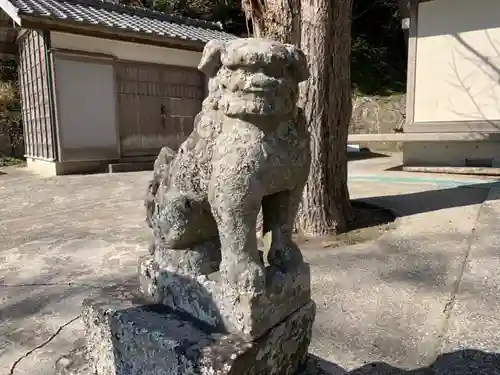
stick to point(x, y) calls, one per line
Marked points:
point(145, 21)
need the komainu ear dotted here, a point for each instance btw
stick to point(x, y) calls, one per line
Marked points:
point(298, 66)
point(210, 62)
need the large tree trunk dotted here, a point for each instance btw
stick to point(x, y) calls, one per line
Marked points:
point(326, 99)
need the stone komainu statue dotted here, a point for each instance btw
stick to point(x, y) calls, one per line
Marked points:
point(249, 149)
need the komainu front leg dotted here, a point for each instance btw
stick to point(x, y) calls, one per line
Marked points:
point(235, 210)
point(279, 212)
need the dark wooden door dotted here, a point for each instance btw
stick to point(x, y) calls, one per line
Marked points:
point(157, 105)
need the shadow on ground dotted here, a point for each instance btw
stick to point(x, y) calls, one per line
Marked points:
point(397, 168)
point(461, 362)
point(434, 200)
point(367, 215)
point(364, 154)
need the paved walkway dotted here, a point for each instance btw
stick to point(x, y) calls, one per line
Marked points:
point(428, 287)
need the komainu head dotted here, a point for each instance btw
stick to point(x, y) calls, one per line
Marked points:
point(255, 77)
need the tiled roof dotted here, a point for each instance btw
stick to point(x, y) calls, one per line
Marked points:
point(122, 17)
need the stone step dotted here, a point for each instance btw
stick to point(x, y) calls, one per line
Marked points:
point(130, 166)
point(138, 158)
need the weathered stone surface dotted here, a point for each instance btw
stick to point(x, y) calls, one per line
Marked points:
point(210, 300)
point(126, 337)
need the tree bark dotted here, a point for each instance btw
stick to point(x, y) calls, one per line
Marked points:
point(326, 99)
point(274, 19)
point(254, 10)
point(282, 21)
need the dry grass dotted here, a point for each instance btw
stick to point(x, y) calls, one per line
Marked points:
point(8, 161)
point(8, 94)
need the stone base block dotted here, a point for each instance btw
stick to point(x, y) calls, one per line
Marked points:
point(125, 337)
point(76, 363)
point(210, 301)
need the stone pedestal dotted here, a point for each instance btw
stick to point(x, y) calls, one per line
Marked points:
point(124, 336)
point(209, 300)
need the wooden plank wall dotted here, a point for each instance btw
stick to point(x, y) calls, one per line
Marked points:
point(157, 105)
point(35, 97)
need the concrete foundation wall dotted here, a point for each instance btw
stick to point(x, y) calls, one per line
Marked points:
point(451, 154)
point(42, 167)
point(48, 168)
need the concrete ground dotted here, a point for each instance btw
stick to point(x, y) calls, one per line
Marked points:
point(426, 288)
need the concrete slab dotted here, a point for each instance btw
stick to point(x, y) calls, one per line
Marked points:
point(475, 318)
point(61, 238)
point(388, 166)
point(37, 323)
point(384, 301)
point(388, 301)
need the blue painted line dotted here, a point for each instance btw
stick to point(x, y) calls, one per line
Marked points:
point(426, 181)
